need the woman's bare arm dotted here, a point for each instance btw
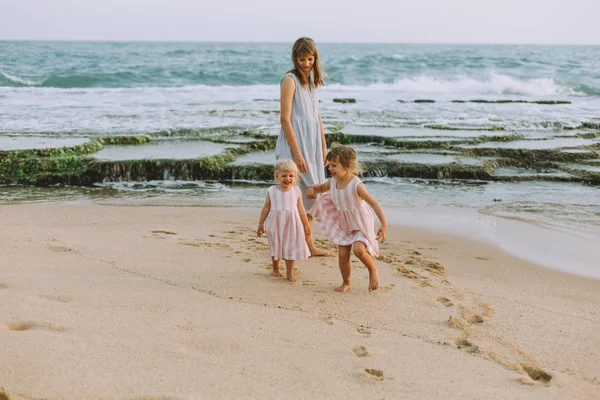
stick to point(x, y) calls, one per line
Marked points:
point(288, 87)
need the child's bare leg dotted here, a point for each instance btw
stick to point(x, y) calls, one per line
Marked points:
point(276, 266)
point(314, 251)
point(289, 270)
point(360, 251)
point(345, 268)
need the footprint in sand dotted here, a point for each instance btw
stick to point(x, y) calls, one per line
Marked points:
point(61, 298)
point(326, 319)
point(457, 323)
point(424, 283)
point(4, 285)
point(464, 344)
point(536, 373)
point(364, 331)
point(470, 316)
point(445, 301)
point(435, 267)
point(360, 351)
point(31, 326)
point(200, 243)
point(466, 319)
point(156, 231)
point(60, 249)
point(375, 374)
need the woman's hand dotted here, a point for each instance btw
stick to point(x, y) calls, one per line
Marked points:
point(260, 230)
point(325, 162)
point(300, 163)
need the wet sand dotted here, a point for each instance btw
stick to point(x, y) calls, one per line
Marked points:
point(120, 302)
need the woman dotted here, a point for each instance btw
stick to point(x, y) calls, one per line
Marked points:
point(301, 137)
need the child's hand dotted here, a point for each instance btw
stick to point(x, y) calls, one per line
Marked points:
point(307, 229)
point(310, 193)
point(381, 233)
point(260, 230)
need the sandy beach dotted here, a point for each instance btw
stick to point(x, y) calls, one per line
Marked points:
point(124, 303)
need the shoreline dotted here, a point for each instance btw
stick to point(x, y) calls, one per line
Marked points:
point(575, 254)
point(117, 302)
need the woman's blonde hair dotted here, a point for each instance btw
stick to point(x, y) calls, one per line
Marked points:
point(302, 47)
point(345, 155)
point(285, 165)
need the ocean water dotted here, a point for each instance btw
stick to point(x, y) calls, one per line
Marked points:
point(112, 87)
point(70, 90)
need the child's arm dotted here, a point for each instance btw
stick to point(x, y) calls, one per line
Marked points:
point(366, 196)
point(314, 190)
point(303, 217)
point(323, 141)
point(263, 216)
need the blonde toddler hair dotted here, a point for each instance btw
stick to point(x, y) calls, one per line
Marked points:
point(285, 165)
point(345, 155)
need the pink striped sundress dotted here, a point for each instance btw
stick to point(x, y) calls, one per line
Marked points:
point(345, 217)
point(284, 227)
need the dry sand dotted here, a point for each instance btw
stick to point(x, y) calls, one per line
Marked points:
point(119, 302)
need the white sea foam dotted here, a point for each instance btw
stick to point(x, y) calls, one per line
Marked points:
point(17, 79)
point(494, 84)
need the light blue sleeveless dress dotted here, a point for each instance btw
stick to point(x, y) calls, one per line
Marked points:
point(305, 121)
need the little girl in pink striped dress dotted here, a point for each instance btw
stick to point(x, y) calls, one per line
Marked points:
point(284, 219)
point(345, 217)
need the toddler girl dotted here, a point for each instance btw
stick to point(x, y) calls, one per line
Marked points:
point(284, 219)
point(344, 216)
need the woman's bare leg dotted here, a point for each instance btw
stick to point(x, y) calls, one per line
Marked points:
point(314, 251)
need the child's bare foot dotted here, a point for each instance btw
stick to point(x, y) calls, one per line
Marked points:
point(276, 272)
point(373, 281)
point(344, 288)
point(291, 278)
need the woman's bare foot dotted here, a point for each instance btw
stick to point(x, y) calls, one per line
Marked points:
point(276, 272)
point(291, 278)
point(344, 288)
point(373, 280)
point(315, 252)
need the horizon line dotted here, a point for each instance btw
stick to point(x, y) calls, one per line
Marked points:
point(287, 42)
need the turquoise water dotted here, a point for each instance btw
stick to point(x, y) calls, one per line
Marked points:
point(518, 70)
point(111, 87)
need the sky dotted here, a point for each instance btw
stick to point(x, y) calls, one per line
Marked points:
point(380, 21)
